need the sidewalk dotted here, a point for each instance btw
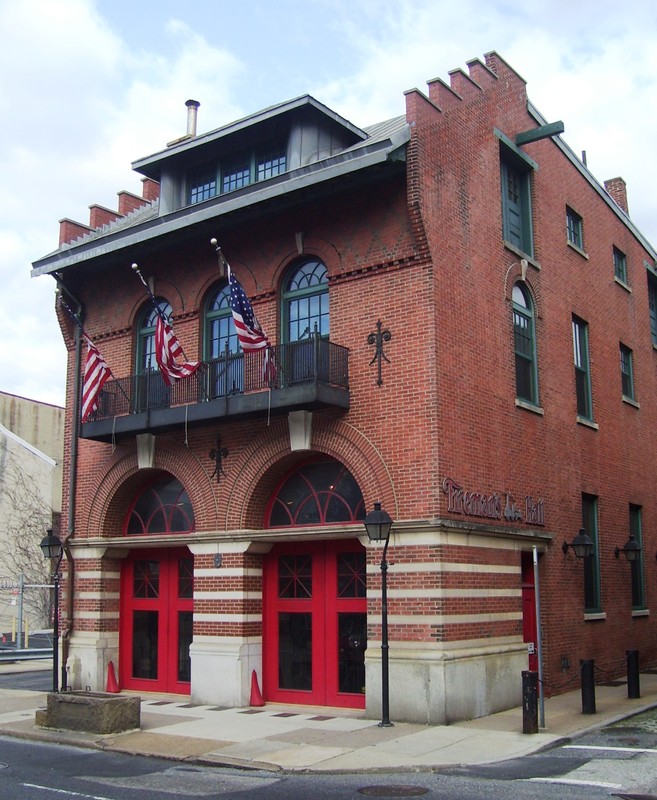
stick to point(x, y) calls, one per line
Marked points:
point(290, 738)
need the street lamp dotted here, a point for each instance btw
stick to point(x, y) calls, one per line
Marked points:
point(52, 548)
point(378, 524)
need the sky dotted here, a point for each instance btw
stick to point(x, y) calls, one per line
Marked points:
point(89, 86)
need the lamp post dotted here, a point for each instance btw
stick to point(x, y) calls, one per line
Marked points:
point(378, 524)
point(52, 549)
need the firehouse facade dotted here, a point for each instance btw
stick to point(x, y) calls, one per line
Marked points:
point(463, 328)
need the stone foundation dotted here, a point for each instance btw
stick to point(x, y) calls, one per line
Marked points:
point(92, 712)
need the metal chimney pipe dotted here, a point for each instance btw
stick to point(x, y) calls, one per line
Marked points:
point(192, 109)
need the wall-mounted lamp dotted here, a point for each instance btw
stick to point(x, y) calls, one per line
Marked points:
point(581, 544)
point(630, 549)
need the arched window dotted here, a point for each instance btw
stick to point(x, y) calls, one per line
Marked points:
point(317, 493)
point(146, 337)
point(162, 507)
point(221, 345)
point(305, 301)
point(525, 346)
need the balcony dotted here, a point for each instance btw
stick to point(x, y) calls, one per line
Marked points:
point(309, 374)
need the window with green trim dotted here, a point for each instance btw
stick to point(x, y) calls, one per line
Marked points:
point(516, 204)
point(652, 306)
point(305, 301)
point(574, 228)
point(638, 584)
point(221, 346)
point(525, 345)
point(592, 602)
point(582, 368)
point(620, 265)
point(627, 372)
point(202, 185)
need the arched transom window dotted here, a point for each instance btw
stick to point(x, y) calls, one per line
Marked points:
point(162, 507)
point(306, 301)
point(317, 493)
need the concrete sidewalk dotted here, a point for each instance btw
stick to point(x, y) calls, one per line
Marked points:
point(294, 738)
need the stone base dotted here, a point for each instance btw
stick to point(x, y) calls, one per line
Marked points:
point(92, 712)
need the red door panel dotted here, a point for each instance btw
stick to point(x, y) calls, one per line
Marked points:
point(315, 624)
point(156, 621)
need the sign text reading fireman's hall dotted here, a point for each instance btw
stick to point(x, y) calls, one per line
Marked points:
point(491, 506)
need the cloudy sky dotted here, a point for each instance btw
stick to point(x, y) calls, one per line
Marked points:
point(88, 86)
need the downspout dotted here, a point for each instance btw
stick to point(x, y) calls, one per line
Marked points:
point(68, 626)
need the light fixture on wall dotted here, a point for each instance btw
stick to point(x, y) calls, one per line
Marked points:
point(581, 544)
point(630, 549)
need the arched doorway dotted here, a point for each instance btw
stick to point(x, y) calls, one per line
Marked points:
point(157, 589)
point(314, 593)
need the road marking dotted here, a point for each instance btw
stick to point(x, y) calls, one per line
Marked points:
point(65, 791)
point(611, 749)
point(573, 782)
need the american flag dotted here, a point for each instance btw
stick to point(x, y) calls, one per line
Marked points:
point(96, 373)
point(167, 350)
point(251, 336)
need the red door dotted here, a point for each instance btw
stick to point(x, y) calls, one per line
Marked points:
point(156, 621)
point(529, 630)
point(315, 624)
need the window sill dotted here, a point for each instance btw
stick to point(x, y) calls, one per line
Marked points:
point(630, 401)
point(577, 249)
point(641, 612)
point(622, 284)
point(587, 423)
point(594, 616)
point(529, 406)
point(521, 254)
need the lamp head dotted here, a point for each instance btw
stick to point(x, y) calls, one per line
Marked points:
point(377, 524)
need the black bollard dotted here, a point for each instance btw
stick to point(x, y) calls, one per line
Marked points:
point(588, 686)
point(633, 689)
point(529, 701)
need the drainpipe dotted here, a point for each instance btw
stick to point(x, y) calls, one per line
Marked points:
point(67, 629)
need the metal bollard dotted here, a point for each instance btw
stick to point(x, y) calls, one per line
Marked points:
point(588, 686)
point(529, 701)
point(633, 688)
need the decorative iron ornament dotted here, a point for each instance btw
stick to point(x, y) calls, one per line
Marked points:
point(378, 339)
point(217, 455)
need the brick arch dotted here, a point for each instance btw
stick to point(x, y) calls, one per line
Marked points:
point(313, 247)
point(258, 470)
point(120, 483)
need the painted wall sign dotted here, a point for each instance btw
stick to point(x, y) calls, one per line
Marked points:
point(492, 506)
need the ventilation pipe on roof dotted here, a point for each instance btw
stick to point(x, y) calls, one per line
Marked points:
point(192, 112)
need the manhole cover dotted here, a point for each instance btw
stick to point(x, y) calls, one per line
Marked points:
point(393, 791)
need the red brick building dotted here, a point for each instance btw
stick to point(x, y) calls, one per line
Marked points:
point(463, 325)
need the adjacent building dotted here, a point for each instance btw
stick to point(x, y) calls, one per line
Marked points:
point(462, 327)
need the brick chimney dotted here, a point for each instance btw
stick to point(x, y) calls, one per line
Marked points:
point(617, 190)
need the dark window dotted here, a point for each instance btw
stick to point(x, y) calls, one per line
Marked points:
point(574, 228)
point(306, 301)
point(525, 346)
point(627, 373)
point(592, 562)
point(516, 206)
point(638, 586)
point(318, 493)
point(235, 173)
point(652, 305)
point(582, 368)
point(162, 507)
point(225, 373)
point(270, 162)
point(620, 265)
point(150, 389)
point(202, 186)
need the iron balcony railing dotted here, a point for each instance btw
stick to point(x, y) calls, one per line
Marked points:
point(313, 360)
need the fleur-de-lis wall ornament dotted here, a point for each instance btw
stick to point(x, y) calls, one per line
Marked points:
point(217, 455)
point(377, 339)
